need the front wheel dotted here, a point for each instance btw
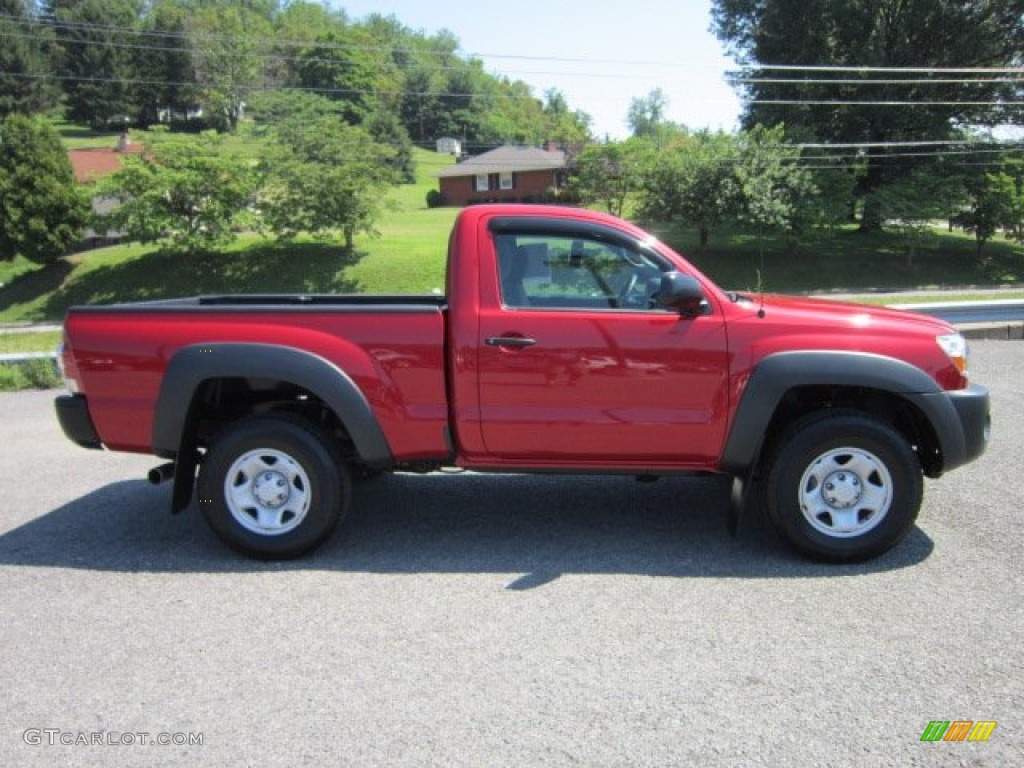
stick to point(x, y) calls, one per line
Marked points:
point(843, 487)
point(272, 487)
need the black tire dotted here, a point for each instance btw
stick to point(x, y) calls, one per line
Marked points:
point(272, 487)
point(843, 486)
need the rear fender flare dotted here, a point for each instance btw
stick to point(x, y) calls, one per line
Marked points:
point(195, 364)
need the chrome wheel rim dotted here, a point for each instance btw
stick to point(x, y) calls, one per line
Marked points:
point(267, 492)
point(845, 492)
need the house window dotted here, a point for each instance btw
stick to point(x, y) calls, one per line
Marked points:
point(483, 182)
point(506, 181)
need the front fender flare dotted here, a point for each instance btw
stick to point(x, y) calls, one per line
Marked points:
point(779, 373)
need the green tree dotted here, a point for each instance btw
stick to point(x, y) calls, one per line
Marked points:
point(349, 68)
point(26, 84)
point(994, 205)
point(912, 204)
point(611, 173)
point(773, 190)
point(565, 126)
point(895, 106)
point(694, 181)
point(325, 177)
point(647, 113)
point(42, 212)
point(270, 108)
point(165, 72)
point(187, 192)
point(387, 129)
point(96, 45)
point(229, 42)
point(426, 71)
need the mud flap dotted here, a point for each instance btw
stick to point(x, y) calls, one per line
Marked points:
point(741, 486)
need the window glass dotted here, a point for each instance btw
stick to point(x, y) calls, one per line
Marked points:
point(506, 181)
point(482, 182)
point(565, 272)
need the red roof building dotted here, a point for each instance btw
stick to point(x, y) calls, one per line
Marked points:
point(92, 164)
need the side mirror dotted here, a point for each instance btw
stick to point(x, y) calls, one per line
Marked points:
point(681, 293)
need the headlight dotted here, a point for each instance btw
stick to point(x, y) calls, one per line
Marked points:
point(955, 347)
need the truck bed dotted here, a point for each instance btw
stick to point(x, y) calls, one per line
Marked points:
point(392, 347)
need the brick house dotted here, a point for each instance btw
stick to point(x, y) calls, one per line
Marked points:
point(506, 174)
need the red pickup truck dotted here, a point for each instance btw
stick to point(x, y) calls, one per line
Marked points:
point(569, 341)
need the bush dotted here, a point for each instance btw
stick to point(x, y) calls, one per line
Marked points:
point(42, 212)
point(29, 374)
point(434, 199)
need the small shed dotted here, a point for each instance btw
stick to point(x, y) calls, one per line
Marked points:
point(449, 146)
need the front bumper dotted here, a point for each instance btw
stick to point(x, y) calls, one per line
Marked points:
point(972, 409)
point(74, 418)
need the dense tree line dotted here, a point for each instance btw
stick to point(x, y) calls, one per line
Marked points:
point(132, 62)
point(879, 75)
point(339, 102)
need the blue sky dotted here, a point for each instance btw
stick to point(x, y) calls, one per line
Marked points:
point(619, 50)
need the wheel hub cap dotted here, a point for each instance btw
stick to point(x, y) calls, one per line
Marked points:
point(268, 492)
point(842, 490)
point(845, 492)
point(270, 489)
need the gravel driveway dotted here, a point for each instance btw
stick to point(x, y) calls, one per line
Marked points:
point(473, 620)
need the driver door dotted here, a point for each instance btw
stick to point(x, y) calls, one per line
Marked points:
point(578, 365)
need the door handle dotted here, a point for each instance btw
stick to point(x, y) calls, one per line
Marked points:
point(517, 342)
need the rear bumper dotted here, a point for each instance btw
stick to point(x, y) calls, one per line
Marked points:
point(972, 410)
point(74, 418)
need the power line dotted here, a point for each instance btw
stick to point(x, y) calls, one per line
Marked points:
point(884, 103)
point(937, 153)
point(425, 50)
point(886, 70)
point(450, 94)
point(277, 58)
point(867, 144)
point(875, 81)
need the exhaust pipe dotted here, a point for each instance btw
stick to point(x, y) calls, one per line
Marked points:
point(162, 473)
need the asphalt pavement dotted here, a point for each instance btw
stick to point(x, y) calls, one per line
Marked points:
point(473, 620)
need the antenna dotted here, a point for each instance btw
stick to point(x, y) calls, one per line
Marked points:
point(760, 271)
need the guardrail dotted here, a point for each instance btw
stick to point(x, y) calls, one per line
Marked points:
point(19, 357)
point(995, 319)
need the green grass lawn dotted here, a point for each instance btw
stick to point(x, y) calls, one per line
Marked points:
point(40, 341)
point(846, 260)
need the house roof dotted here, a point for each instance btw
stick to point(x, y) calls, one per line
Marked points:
point(91, 164)
point(507, 159)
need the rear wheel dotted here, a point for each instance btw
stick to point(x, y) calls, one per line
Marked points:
point(272, 487)
point(843, 487)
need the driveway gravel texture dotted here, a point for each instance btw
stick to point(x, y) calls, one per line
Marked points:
point(477, 620)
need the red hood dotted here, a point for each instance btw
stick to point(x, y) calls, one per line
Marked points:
point(844, 315)
point(791, 322)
